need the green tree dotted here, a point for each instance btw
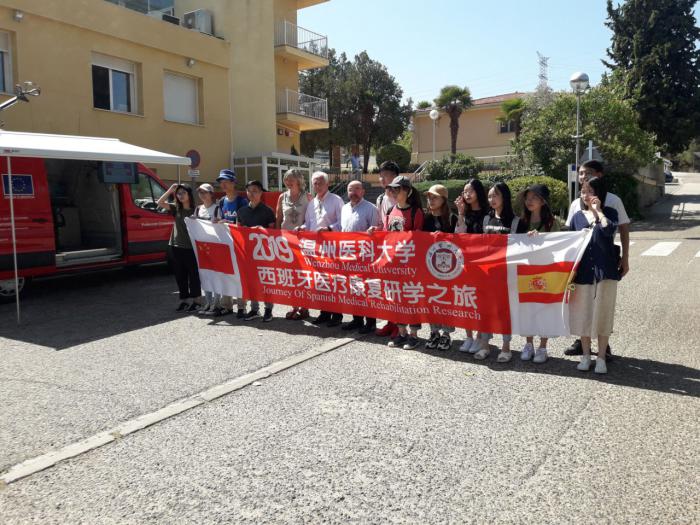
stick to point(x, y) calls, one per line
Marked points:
point(606, 118)
point(512, 111)
point(453, 100)
point(376, 114)
point(423, 104)
point(654, 54)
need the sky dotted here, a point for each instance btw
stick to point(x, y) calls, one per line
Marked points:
point(489, 46)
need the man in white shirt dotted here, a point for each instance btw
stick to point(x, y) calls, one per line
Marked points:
point(589, 169)
point(359, 215)
point(323, 215)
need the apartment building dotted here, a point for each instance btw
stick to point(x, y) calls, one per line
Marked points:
point(214, 79)
point(480, 132)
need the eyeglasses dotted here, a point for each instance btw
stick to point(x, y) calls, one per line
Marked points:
point(393, 190)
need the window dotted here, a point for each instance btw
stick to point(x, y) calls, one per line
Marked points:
point(507, 127)
point(5, 63)
point(181, 98)
point(146, 192)
point(113, 84)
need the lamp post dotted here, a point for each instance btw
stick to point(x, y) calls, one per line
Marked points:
point(434, 115)
point(579, 84)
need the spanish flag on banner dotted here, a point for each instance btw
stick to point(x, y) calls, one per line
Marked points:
point(543, 283)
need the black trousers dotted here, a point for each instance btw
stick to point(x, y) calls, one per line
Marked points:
point(370, 321)
point(330, 315)
point(186, 272)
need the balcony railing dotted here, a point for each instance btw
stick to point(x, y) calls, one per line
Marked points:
point(290, 101)
point(288, 34)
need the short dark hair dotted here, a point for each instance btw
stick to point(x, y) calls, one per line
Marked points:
point(597, 184)
point(255, 183)
point(390, 165)
point(595, 165)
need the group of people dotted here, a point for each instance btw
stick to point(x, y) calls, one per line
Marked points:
point(400, 208)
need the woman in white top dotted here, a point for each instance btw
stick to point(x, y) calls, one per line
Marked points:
point(291, 209)
point(209, 210)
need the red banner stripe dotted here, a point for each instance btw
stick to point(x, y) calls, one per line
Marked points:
point(214, 256)
point(545, 298)
point(536, 269)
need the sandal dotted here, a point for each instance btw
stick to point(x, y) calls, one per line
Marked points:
point(482, 354)
point(504, 357)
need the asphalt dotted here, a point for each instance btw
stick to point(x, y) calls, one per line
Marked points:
point(363, 433)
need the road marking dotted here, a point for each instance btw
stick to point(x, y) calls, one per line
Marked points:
point(39, 463)
point(661, 249)
point(697, 254)
point(619, 243)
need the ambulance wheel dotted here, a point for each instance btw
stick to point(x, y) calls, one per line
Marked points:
point(7, 289)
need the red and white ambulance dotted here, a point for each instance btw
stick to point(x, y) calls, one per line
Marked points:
point(79, 204)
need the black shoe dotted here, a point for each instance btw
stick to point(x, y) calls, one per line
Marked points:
point(252, 315)
point(574, 349)
point(335, 321)
point(369, 328)
point(444, 343)
point(240, 314)
point(352, 325)
point(217, 312)
point(267, 316)
point(432, 343)
point(183, 306)
point(193, 307)
point(323, 318)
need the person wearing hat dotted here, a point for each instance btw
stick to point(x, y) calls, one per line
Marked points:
point(406, 215)
point(231, 202)
point(209, 211)
point(439, 219)
point(255, 214)
point(537, 217)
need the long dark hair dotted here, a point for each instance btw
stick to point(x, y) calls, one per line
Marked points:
point(597, 184)
point(481, 197)
point(188, 189)
point(413, 199)
point(546, 215)
point(507, 213)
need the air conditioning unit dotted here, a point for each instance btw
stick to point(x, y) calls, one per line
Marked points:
point(200, 20)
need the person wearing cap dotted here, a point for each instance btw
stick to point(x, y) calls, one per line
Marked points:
point(209, 211)
point(323, 215)
point(229, 205)
point(439, 219)
point(407, 215)
point(358, 215)
point(255, 214)
point(537, 217)
point(385, 201)
point(231, 202)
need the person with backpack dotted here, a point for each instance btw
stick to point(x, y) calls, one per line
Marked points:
point(472, 207)
point(500, 220)
point(439, 219)
point(406, 215)
point(229, 205)
point(385, 201)
point(209, 210)
point(537, 217)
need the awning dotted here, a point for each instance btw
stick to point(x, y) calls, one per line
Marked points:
point(19, 144)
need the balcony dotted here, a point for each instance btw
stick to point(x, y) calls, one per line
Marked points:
point(308, 49)
point(302, 112)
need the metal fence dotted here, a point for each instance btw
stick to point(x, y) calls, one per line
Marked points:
point(290, 101)
point(289, 34)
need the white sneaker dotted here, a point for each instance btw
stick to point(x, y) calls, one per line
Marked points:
point(540, 356)
point(600, 366)
point(504, 357)
point(467, 345)
point(527, 352)
point(585, 363)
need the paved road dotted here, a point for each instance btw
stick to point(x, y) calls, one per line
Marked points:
point(362, 433)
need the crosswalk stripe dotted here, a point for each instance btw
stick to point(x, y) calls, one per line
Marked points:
point(661, 249)
point(697, 254)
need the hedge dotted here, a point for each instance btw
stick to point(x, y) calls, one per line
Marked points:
point(395, 152)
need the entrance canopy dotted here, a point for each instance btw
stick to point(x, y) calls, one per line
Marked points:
point(19, 144)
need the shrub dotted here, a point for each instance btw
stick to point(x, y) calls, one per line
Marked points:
point(454, 187)
point(412, 167)
point(461, 167)
point(395, 152)
point(625, 187)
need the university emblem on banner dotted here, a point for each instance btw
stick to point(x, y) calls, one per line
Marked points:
point(444, 260)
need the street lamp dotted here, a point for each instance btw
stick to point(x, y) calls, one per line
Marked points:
point(434, 115)
point(579, 83)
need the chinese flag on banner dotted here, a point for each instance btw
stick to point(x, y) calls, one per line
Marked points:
point(214, 256)
point(543, 283)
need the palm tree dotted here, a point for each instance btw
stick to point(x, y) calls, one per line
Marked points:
point(512, 111)
point(453, 100)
